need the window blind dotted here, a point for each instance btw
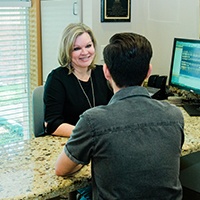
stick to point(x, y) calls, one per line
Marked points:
point(14, 74)
point(15, 3)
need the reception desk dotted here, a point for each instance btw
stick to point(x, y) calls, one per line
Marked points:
point(27, 167)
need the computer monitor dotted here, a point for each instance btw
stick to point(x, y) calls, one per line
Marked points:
point(185, 70)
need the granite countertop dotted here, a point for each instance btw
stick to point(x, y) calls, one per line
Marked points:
point(27, 167)
point(192, 133)
point(27, 170)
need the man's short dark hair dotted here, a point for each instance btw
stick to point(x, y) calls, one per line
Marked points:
point(127, 57)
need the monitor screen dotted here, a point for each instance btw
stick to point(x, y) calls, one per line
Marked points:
point(185, 65)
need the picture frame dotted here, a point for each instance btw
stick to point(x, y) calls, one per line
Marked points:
point(115, 10)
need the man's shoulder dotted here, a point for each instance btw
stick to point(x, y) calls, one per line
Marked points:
point(170, 106)
point(97, 110)
point(98, 113)
point(171, 109)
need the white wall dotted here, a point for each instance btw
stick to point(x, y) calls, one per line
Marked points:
point(159, 20)
point(56, 15)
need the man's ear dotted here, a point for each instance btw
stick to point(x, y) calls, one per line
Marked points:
point(106, 72)
point(149, 71)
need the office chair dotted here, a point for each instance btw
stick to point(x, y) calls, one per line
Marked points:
point(152, 80)
point(38, 111)
point(157, 81)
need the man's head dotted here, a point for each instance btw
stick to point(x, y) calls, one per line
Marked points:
point(127, 57)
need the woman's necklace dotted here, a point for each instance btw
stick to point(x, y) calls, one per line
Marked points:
point(93, 97)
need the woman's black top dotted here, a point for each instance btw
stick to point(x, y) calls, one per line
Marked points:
point(64, 99)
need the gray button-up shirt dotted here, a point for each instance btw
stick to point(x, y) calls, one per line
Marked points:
point(134, 144)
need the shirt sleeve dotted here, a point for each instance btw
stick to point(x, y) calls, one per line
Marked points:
point(54, 99)
point(79, 148)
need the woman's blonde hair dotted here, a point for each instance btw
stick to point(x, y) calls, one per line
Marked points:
point(70, 33)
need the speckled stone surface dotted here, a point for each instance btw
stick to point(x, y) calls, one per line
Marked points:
point(27, 168)
point(192, 133)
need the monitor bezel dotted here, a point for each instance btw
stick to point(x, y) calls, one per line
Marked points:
point(190, 89)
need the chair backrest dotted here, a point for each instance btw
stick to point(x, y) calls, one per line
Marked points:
point(157, 81)
point(38, 111)
point(152, 80)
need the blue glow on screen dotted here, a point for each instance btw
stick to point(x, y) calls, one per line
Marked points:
point(185, 66)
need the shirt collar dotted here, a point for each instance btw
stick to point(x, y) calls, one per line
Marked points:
point(130, 91)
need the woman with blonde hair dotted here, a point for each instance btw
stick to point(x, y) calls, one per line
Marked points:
point(77, 84)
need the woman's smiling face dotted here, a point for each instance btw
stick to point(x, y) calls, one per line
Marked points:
point(83, 51)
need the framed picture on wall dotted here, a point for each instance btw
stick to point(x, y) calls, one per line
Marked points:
point(115, 10)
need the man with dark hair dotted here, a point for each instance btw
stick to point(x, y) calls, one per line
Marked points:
point(134, 143)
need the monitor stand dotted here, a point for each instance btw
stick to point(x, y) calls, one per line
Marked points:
point(192, 109)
